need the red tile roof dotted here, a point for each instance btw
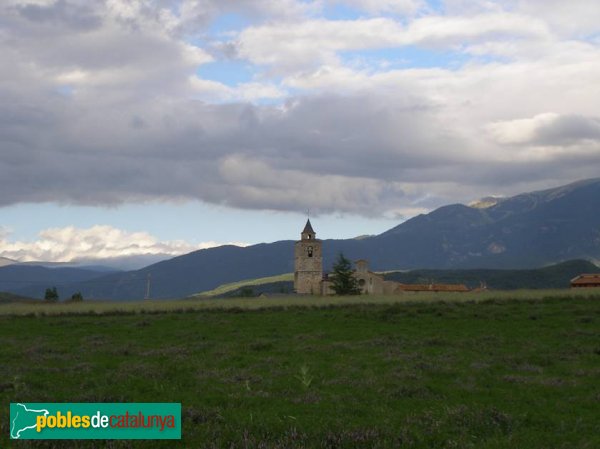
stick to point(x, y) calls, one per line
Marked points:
point(586, 280)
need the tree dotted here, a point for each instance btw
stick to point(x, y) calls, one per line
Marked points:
point(51, 294)
point(343, 280)
point(76, 297)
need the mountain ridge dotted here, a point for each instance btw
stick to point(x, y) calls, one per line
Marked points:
point(5, 261)
point(529, 230)
point(32, 280)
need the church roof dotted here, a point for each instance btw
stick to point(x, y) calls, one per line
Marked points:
point(308, 228)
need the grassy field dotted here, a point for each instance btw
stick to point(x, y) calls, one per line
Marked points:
point(471, 371)
point(200, 303)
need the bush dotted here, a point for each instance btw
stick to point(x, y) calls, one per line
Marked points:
point(51, 295)
point(76, 297)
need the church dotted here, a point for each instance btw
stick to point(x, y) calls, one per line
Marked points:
point(308, 269)
point(309, 278)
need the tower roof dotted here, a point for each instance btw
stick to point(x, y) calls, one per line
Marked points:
point(308, 228)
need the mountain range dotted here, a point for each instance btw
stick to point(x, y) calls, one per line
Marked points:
point(32, 280)
point(530, 230)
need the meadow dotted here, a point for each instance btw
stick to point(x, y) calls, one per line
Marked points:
point(209, 302)
point(485, 370)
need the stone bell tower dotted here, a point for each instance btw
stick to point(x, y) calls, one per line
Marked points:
point(308, 263)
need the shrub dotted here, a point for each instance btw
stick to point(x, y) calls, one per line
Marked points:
point(76, 297)
point(51, 295)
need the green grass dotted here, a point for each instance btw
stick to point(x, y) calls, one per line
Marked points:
point(40, 308)
point(226, 288)
point(483, 371)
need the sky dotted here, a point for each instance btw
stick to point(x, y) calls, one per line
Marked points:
point(134, 127)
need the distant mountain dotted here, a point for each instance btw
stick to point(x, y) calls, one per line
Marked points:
point(194, 272)
point(526, 231)
point(124, 263)
point(5, 261)
point(32, 281)
point(54, 265)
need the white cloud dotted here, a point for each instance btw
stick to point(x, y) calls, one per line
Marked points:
point(311, 43)
point(210, 90)
point(98, 242)
point(574, 17)
point(520, 131)
point(549, 129)
point(255, 91)
point(445, 31)
point(251, 91)
point(403, 7)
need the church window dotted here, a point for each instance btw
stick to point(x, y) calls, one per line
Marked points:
point(310, 251)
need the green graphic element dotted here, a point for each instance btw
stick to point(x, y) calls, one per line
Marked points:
point(62, 421)
point(24, 419)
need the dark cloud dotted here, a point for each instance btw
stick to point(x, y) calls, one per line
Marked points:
point(330, 153)
point(238, 154)
point(99, 109)
point(61, 13)
point(568, 130)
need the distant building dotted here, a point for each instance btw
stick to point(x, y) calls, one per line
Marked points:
point(460, 288)
point(309, 278)
point(370, 283)
point(586, 281)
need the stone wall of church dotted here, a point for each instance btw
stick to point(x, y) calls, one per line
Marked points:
point(308, 263)
point(308, 256)
point(308, 282)
point(369, 282)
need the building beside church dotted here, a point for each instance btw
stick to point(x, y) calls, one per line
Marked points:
point(310, 280)
point(586, 281)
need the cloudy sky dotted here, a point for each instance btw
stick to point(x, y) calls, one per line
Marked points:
point(162, 126)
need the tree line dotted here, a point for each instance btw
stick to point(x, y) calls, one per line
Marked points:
point(51, 295)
